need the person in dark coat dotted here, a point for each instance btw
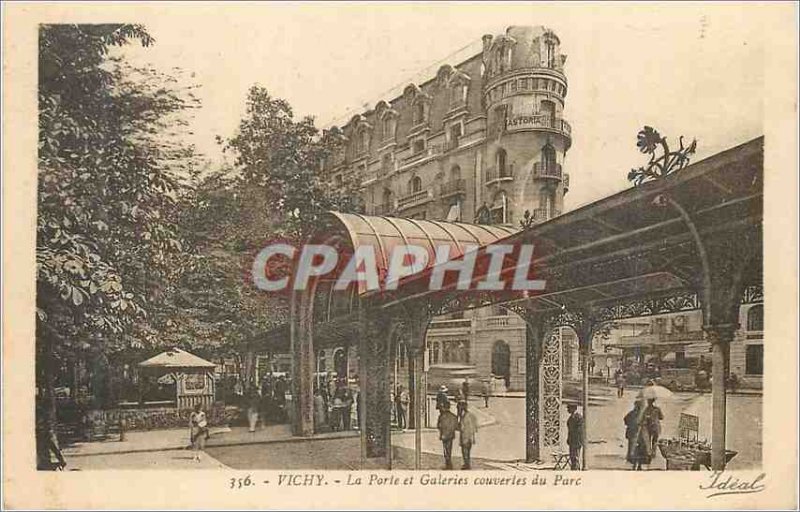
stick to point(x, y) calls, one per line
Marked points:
point(400, 408)
point(574, 435)
point(653, 418)
point(447, 425)
point(639, 445)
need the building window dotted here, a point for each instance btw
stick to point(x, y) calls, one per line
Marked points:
point(386, 164)
point(414, 185)
point(419, 113)
point(548, 158)
point(754, 360)
point(501, 161)
point(418, 147)
point(550, 48)
point(455, 173)
point(755, 318)
point(433, 353)
point(455, 135)
point(362, 143)
point(458, 95)
point(388, 127)
point(386, 205)
point(321, 365)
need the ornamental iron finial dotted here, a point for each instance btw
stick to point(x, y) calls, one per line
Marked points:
point(648, 141)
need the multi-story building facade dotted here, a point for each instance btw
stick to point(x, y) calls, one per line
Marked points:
point(483, 141)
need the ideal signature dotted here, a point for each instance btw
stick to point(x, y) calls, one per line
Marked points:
point(723, 484)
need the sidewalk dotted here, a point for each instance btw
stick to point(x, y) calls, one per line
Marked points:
point(178, 439)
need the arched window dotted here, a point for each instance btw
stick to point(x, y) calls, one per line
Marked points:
point(414, 185)
point(419, 113)
point(548, 158)
point(500, 160)
point(755, 318)
point(362, 141)
point(455, 173)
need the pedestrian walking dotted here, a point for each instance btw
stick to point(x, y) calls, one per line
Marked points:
point(465, 388)
point(574, 435)
point(619, 380)
point(486, 391)
point(319, 411)
point(252, 408)
point(198, 430)
point(47, 443)
point(447, 426)
point(468, 429)
point(400, 407)
point(653, 417)
point(639, 445)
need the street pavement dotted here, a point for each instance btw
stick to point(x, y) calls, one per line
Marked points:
point(500, 440)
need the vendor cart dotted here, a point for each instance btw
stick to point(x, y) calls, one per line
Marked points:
point(687, 452)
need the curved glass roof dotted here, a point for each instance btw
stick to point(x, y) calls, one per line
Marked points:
point(386, 233)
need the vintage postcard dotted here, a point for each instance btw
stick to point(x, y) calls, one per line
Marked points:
point(399, 255)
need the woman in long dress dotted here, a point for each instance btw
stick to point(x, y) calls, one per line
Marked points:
point(638, 436)
point(198, 430)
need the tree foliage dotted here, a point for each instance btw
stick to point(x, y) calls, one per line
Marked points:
point(278, 160)
point(111, 169)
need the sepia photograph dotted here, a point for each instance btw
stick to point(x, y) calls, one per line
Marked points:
point(460, 245)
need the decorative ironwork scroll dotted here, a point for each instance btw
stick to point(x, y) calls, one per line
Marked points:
point(550, 386)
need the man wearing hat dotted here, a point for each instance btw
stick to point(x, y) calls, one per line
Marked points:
point(574, 435)
point(442, 400)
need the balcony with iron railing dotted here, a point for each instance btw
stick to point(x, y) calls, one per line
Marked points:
point(493, 175)
point(544, 214)
point(453, 187)
point(543, 170)
point(412, 199)
point(461, 323)
point(421, 155)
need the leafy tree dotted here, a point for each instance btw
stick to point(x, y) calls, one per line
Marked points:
point(111, 170)
point(279, 158)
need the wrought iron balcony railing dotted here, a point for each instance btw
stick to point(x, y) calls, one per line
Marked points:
point(453, 187)
point(461, 323)
point(542, 170)
point(544, 214)
point(427, 152)
point(493, 174)
point(412, 199)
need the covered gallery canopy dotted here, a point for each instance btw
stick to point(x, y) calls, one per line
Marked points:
point(608, 254)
